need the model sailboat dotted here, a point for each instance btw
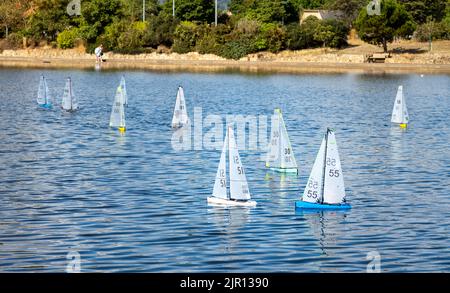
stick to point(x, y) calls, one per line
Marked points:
point(180, 116)
point(280, 156)
point(118, 111)
point(400, 112)
point(43, 98)
point(69, 101)
point(239, 194)
point(124, 90)
point(325, 188)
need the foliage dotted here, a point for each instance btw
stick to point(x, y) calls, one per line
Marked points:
point(253, 26)
point(213, 39)
point(394, 21)
point(48, 20)
point(432, 30)
point(349, 8)
point(14, 40)
point(191, 10)
point(420, 10)
point(66, 39)
point(161, 30)
point(185, 37)
point(11, 15)
point(314, 33)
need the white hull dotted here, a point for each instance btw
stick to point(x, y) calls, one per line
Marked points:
point(228, 202)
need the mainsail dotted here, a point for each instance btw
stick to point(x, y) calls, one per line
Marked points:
point(69, 101)
point(118, 112)
point(124, 90)
point(334, 189)
point(313, 189)
point(43, 95)
point(180, 116)
point(238, 181)
point(326, 181)
point(273, 154)
point(220, 185)
point(400, 112)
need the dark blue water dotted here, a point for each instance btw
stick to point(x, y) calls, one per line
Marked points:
point(133, 204)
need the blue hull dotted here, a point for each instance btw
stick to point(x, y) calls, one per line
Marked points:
point(45, 106)
point(317, 206)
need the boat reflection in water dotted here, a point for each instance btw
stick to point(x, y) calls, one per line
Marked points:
point(326, 226)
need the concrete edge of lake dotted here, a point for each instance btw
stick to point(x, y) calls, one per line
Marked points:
point(194, 62)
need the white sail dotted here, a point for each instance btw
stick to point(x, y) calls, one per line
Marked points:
point(287, 154)
point(313, 189)
point(69, 102)
point(220, 185)
point(180, 116)
point(273, 155)
point(118, 112)
point(400, 112)
point(334, 189)
point(124, 90)
point(43, 96)
point(238, 181)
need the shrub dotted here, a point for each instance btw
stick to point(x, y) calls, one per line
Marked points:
point(161, 30)
point(437, 30)
point(274, 37)
point(247, 26)
point(132, 39)
point(212, 39)
point(331, 33)
point(296, 37)
point(14, 41)
point(185, 37)
point(67, 38)
point(111, 36)
point(237, 49)
point(314, 33)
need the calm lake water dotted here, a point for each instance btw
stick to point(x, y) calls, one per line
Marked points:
point(134, 204)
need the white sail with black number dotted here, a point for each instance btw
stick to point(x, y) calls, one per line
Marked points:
point(334, 189)
point(238, 181)
point(69, 101)
point(43, 94)
point(220, 184)
point(117, 118)
point(400, 112)
point(287, 154)
point(124, 90)
point(273, 154)
point(313, 189)
point(180, 116)
point(280, 154)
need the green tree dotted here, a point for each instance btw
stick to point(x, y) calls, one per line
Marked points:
point(49, 18)
point(133, 9)
point(420, 10)
point(11, 14)
point(98, 14)
point(394, 21)
point(349, 8)
point(192, 10)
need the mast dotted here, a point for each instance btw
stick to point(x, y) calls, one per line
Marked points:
point(324, 167)
point(229, 163)
point(280, 150)
point(70, 94)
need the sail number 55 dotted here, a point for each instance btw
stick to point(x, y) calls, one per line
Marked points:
point(333, 173)
point(313, 188)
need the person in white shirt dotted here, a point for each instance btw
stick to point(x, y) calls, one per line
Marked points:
point(98, 53)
